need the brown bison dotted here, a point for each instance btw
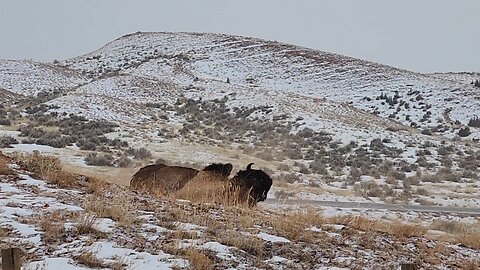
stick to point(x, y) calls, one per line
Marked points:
point(161, 178)
point(252, 185)
point(219, 169)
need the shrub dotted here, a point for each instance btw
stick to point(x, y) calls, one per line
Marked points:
point(122, 162)
point(7, 141)
point(412, 180)
point(283, 167)
point(422, 191)
point(142, 153)
point(290, 178)
point(464, 132)
point(376, 145)
point(5, 122)
point(370, 189)
point(474, 122)
point(266, 154)
point(283, 195)
point(303, 169)
point(93, 160)
point(293, 153)
point(318, 167)
point(85, 144)
point(476, 83)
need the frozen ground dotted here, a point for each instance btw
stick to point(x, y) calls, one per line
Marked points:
point(154, 233)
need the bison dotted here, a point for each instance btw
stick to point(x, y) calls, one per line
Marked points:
point(252, 185)
point(219, 169)
point(166, 179)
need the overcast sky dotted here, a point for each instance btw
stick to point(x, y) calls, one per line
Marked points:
point(419, 35)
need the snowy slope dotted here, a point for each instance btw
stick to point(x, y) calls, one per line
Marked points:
point(461, 77)
point(120, 99)
point(183, 58)
point(7, 97)
point(29, 78)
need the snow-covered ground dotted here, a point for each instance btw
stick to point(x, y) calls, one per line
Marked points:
point(151, 233)
point(29, 78)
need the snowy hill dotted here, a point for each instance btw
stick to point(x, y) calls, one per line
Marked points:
point(311, 117)
point(30, 78)
point(461, 77)
point(407, 97)
point(326, 127)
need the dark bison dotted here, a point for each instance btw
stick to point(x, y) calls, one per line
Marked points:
point(219, 169)
point(252, 185)
point(161, 178)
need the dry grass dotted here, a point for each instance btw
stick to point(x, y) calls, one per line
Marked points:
point(86, 225)
point(198, 259)
point(468, 236)
point(53, 228)
point(209, 188)
point(47, 168)
point(119, 176)
point(248, 243)
point(405, 230)
point(4, 169)
point(469, 239)
point(116, 205)
point(97, 186)
point(89, 259)
point(3, 232)
point(357, 222)
point(294, 226)
point(473, 264)
point(452, 227)
point(119, 264)
point(396, 228)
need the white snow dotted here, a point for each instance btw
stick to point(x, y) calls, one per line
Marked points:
point(272, 238)
point(29, 78)
point(53, 264)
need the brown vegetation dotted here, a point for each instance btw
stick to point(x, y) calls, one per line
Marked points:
point(53, 228)
point(47, 168)
point(4, 169)
point(248, 243)
point(86, 225)
point(206, 187)
point(198, 259)
point(113, 205)
point(89, 259)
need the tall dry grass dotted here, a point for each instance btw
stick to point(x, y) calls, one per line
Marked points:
point(294, 226)
point(47, 168)
point(207, 187)
point(198, 259)
point(52, 225)
point(248, 243)
point(468, 235)
point(4, 169)
point(114, 204)
point(89, 259)
point(395, 228)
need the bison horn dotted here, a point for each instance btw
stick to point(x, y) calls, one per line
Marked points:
point(249, 166)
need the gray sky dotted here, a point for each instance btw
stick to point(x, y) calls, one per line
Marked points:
point(419, 35)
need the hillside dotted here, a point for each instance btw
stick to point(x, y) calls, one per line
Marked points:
point(461, 77)
point(29, 78)
point(284, 69)
point(324, 125)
